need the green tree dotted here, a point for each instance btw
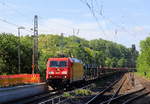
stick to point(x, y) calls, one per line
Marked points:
point(98, 51)
point(143, 61)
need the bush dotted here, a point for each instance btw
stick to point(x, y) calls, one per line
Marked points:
point(67, 94)
point(83, 92)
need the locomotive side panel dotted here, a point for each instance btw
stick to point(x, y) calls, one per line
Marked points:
point(77, 72)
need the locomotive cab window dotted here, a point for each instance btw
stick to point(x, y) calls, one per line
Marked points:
point(62, 63)
point(53, 63)
point(58, 63)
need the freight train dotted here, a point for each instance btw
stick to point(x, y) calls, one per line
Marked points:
point(62, 72)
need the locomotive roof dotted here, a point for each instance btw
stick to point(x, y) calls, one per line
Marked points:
point(76, 60)
point(72, 59)
point(64, 58)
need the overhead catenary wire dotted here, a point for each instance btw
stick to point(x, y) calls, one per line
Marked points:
point(28, 29)
point(8, 22)
point(91, 8)
point(19, 13)
point(15, 25)
point(100, 12)
point(12, 8)
point(110, 21)
point(16, 10)
point(113, 23)
point(93, 14)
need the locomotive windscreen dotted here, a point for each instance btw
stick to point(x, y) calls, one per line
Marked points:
point(58, 63)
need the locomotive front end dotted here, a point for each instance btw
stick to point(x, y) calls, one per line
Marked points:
point(57, 72)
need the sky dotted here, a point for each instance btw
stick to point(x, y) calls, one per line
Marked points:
point(123, 21)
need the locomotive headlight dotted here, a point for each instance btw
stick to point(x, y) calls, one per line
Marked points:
point(51, 72)
point(64, 72)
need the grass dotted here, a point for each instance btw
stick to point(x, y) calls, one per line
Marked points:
point(79, 92)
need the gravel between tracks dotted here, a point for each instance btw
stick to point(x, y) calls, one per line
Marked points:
point(145, 83)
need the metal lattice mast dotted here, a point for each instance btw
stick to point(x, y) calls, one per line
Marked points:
point(35, 46)
point(133, 53)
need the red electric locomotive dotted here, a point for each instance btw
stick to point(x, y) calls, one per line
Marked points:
point(63, 71)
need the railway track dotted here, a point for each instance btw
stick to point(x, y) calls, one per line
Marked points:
point(109, 95)
point(130, 100)
point(61, 98)
point(127, 98)
point(115, 98)
point(100, 96)
point(51, 97)
point(37, 98)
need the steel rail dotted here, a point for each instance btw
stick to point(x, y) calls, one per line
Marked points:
point(95, 98)
point(122, 96)
point(116, 92)
point(37, 97)
point(136, 97)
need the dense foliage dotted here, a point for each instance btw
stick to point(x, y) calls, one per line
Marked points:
point(143, 62)
point(98, 51)
point(9, 54)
